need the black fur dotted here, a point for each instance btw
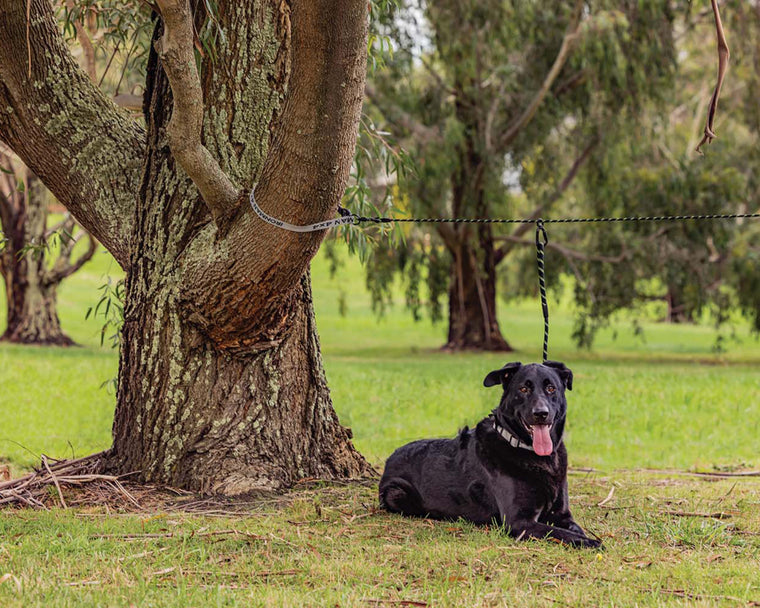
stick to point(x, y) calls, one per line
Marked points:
point(479, 477)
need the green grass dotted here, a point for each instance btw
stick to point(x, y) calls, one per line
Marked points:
point(330, 547)
point(663, 402)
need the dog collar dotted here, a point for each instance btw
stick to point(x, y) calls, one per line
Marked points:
point(515, 442)
point(511, 439)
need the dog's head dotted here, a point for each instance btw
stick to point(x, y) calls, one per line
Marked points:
point(533, 404)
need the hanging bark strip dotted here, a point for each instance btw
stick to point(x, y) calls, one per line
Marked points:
point(723, 55)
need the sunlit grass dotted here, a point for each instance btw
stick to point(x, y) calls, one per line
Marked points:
point(665, 401)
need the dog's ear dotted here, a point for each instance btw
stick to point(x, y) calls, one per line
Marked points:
point(503, 375)
point(564, 373)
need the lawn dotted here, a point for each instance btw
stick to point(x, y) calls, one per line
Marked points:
point(664, 401)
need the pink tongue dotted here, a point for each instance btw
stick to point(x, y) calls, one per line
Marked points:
point(542, 442)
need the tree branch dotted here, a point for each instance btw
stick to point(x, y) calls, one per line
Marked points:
point(723, 55)
point(301, 182)
point(84, 149)
point(398, 116)
point(566, 251)
point(63, 267)
point(522, 229)
point(448, 235)
point(436, 76)
point(176, 50)
point(83, 38)
point(310, 154)
point(559, 62)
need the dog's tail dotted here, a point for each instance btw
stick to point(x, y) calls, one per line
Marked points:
point(399, 496)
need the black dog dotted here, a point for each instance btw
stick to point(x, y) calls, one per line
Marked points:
point(511, 469)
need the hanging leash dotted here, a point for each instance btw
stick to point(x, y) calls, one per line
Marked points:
point(542, 239)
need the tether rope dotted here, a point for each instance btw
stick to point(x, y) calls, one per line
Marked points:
point(542, 238)
point(358, 219)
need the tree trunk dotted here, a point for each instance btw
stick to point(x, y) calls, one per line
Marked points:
point(192, 416)
point(472, 288)
point(678, 312)
point(31, 299)
point(472, 297)
point(221, 384)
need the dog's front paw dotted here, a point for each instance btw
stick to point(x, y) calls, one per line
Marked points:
point(592, 543)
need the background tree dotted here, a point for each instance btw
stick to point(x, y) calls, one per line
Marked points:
point(692, 267)
point(31, 280)
point(221, 386)
point(501, 113)
point(110, 41)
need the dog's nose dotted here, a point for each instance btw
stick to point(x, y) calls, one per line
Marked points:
point(540, 413)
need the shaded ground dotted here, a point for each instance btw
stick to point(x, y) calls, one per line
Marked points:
point(670, 539)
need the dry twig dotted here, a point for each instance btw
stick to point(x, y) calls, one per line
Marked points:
point(723, 55)
point(608, 499)
point(33, 490)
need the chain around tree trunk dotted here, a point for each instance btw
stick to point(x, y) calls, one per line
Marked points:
point(542, 238)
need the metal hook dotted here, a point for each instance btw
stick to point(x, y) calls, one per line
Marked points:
point(542, 238)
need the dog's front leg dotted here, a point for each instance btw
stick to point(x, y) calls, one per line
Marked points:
point(519, 513)
point(559, 514)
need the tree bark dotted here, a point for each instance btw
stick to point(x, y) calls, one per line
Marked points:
point(31, 298)
point(191, 416)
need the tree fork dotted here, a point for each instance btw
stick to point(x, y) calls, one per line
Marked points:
point(221, 321)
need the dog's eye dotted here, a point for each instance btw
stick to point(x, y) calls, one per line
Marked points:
point(524, 390)
point(550, 389)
